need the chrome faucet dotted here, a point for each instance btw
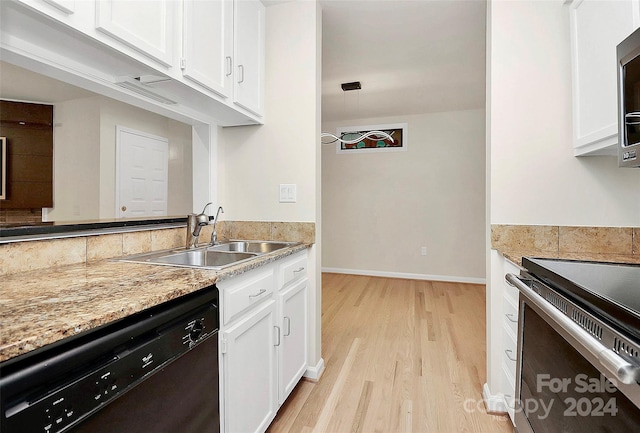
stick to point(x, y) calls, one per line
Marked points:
point(194, 225)
point(214, 235)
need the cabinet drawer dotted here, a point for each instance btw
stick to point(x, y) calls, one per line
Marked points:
point(510, 311)
point(508, 388)
point(293, 269)
point(509, 349)
point(244, 292)
point(509, 290)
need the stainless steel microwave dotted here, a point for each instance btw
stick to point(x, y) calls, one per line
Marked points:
point(628, 53)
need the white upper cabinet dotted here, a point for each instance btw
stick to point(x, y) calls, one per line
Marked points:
point(208, 44)
point(146, 26)
point(66, 7)
point(597, 27)
point(61, 10)
point(249, 38)
point(200, 59)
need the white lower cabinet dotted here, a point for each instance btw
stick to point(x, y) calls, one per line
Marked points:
point(263, 342)
point(250, 390)
point(292, 356)
point(500, 391)
point(509, 339)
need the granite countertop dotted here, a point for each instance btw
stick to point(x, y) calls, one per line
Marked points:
point(44, 306)
point(594, 244)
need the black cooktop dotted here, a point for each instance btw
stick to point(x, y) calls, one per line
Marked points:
point(609, 290)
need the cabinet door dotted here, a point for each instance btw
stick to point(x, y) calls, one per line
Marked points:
point(249, 368)
point(597, 27)
point(57, 9)
point(146, 26)
point(292, 357)
point(249, 22)
point(208, 44)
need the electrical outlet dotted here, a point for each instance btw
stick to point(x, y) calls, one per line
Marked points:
point(423, 251)
point(288, 193)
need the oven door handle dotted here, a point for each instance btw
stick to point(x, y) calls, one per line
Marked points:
point(622, 370)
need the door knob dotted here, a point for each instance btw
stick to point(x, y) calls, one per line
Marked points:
point(123, 208)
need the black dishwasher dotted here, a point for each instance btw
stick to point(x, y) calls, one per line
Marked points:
point(155, 371)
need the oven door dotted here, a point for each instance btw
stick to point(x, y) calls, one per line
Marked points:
point(566, 380)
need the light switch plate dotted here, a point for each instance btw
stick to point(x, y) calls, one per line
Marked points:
point(287, 193)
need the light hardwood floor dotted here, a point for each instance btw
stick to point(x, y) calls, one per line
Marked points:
point(401, 356)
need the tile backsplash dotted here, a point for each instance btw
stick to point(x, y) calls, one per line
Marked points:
point(610, 244)
point(41, 254)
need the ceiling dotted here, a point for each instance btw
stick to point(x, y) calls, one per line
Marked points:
point(24, 85)
point(412, 57)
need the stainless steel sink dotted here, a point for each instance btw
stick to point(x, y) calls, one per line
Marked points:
point(209, 257)
point(257, 247)
point(202, 258)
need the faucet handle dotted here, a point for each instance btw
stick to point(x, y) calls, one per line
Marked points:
point(205, 207)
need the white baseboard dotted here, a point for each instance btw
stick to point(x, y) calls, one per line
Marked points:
point(314, 372)
point(494, 403)
point(409, 276)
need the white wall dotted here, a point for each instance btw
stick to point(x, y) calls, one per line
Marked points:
point(254, 160)
point(535, 179)
point(379, 209)
point(76, 172)
point(179, 196)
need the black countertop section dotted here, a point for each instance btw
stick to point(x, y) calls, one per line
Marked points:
point(46, 228)
point(607, 289)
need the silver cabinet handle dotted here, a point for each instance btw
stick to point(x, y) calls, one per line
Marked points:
point(277, 335)
point(241, 73)
point(509, 352)
point(618, 367)
point(511, 319)
point(300, 269)
point(260, 292)
point(229, 66)
point(287, 322)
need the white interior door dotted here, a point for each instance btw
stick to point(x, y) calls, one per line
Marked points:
point(142, 174)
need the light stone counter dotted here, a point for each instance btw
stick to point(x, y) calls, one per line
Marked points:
point(44, 306)
point(598, 244)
